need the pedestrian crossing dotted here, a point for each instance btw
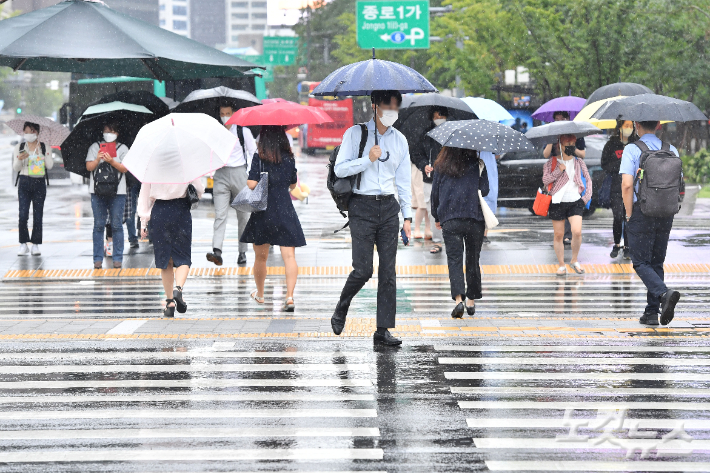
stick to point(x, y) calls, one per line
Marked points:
point(576, 408)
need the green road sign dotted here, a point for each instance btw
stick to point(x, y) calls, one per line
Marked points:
point(393, 25)
point(280, 50)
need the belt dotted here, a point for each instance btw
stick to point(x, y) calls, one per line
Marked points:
point(374, 197)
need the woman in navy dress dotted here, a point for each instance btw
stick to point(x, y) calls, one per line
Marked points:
point(278, 224)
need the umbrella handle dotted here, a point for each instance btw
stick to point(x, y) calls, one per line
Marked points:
point(375, 117)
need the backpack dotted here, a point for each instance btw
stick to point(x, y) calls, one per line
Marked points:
point(660, 181)
point(341, 188)
point(44, 153)
point(106, 179)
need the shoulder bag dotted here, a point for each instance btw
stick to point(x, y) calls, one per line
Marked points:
point(254, 200)
point(544, 198)
point(488, 215)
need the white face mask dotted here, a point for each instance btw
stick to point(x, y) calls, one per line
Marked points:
point(439, 121)
point(389, 117)
point(224, 120)
point(110, 137)
point(626, 132)
point(30, 137)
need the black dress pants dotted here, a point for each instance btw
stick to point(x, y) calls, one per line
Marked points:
point(31, 190)
point(374, 222)
point(457, 232)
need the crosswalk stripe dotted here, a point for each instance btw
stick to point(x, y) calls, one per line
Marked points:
point(559, 423)
point(586, 465)
point(126, 327)
point(188, 433)
point(610, 391)
point(562, 405)
point(584, 376)
point(574, 348)
point(577, 361)
point(184, 413)
point(230, 397)
point(196, 367)
point(620, 443)
point(175, 455)
point(203, 353)
point(186, 383)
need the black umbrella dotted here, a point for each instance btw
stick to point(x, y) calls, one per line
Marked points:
point(208, 101)
point(625, 89)
point(481, 135)
point(649, 107)
point(90, 38)
point(546, 134)
point(148, 100)
point(415, 114)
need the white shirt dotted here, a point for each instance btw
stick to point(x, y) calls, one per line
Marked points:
point(121, 152)
point(570, 191)
point(237, 157)
point(152, 192)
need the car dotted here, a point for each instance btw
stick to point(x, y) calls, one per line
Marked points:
point(520, 174)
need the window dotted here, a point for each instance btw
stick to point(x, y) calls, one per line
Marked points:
point(162, 7)
point(239, 27)
point(180, 25)
point(240, 4)
point(260, 16)
point(240, 16)
point(258, 4)
point(258, 27)
point(162, 22)
point(179, 10)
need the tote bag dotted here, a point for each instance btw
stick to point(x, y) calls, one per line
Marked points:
point(543, 199)
point(488, 215)
point(254, 200)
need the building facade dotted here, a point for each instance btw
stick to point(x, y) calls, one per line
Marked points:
point(246, 19)
point(174, 15)
point(145, 10)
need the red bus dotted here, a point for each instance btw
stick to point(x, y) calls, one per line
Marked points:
point(328, 135)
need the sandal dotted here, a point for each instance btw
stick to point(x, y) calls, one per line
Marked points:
point(428, 236)
point(562, 271)
point(577, 268)
point(436, 249)
point(179, 301)
point(259, 300)
point(289, 305)
point(417, 236)
point(169, 310)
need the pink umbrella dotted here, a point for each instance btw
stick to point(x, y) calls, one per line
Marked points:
point(265, 101)
point(279, 113)
point(569, 104)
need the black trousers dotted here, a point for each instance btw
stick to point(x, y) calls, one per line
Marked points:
point(648, 238)
point(457, 232)
point(374, 222)
point(619, 225)
point(31, 190)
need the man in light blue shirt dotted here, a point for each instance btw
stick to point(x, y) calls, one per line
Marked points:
point(384, 169)
point(648, 236)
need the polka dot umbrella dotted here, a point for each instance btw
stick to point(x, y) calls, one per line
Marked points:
point(480, 135)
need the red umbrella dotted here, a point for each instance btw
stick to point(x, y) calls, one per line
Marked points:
point(265, 101)
point(279, 113)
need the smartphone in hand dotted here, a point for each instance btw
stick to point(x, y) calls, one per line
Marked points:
point(108, 148)
point(405, 240)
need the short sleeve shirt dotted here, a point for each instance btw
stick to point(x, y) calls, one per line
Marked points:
point(121, 152)
point(632, 154)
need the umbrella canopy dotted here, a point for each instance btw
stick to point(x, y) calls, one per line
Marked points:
point(154, 104)
point(363, 77)
point(113, 107)
point(415, 113)
point(481, 135)
point(169, 102)
point(649, 107)
point(50, 132)
point(90, 38)
point(179, 148)
point(487, 109)
point(626, 89)
point(569, 104)
point(207, 101)
point(265, 101)
point(546, 134)
point(280, 113)
point(585, 115)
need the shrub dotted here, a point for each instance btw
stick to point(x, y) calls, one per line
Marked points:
point(696, 167)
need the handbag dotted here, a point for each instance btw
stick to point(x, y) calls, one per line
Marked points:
point(192, 196)
point(254, 200)
point(488, 216)
point(584, 184)
point(543, 199)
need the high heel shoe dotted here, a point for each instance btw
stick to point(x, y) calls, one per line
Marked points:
point(457, 313)
point(169, 310)
point(179, 301)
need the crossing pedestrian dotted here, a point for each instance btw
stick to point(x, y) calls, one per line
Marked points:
point(648, 235)
point(571, 190)
point(424, 157)
point(384, 169)
point(31, 161)
point(622, 135)
point(228, 182)
point(167, 207)
point(456, 179)
point(277, 225)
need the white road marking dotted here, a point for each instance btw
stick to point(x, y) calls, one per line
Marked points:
point(130, 455)
point(683, 406)
point(188, 433)
point(56, 357)
point(552, 423)
point(184, 413)
point(126, 327)
point(553, 444)
point(573, 348)
point(175, 383)
point(584, 376)
point(587, 465)
point(611, 391)
point(195, 367)
point(576, 361)
point(227, 397)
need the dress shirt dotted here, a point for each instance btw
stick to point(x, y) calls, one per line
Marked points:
point(632, 155)
point(237, 157)
point(152, 192)
point(378, 178)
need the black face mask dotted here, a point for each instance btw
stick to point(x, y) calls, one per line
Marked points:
point(569, 150)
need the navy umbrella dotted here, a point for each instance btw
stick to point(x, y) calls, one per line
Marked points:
point(481, 135)
point(364, 77)
point(546, 134)
point(649, 107)
point(624, 89)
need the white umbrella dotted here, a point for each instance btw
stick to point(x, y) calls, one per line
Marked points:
point(50, 132)
point(113, 107)
point(179, 148)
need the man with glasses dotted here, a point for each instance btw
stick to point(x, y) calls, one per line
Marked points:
point(384, 169)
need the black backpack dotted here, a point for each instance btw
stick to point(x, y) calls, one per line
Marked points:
point(44, 153)
point(106, 179)
point(660, 181)
point(341, 188)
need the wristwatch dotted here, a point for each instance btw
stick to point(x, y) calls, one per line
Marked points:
point(408, 219)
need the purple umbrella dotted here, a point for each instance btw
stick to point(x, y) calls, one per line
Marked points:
point(569, 104)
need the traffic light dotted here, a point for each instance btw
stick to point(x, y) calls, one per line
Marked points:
point(19, 110)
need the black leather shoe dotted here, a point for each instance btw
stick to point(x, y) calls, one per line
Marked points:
point(337, 321)
point(614, 251)
point(386, 338)
point(457, 313)
point(242, 259)
point(180, 304)
point(215, 258)
point(134, 244)
point(649, 318)
point(668, 302)
point(471, 309)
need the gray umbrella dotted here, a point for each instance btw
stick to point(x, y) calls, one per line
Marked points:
point(625, 89)
point(546, 134)
point(481, 135)
point(649, 107)
point(90, 38)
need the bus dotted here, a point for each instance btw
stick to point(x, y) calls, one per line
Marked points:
point(328, 135)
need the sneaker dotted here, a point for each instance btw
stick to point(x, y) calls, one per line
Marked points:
point(627, 253)
point(108, 248)
point(134, 244)
point(242, 259)
point(35, 250)
point(117, 265)
point(24, 250)
point(97, 264)
point(668, 303)
point(614, 251)
point(649, 318)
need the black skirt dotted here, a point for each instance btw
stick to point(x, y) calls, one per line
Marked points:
point(171, 231)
